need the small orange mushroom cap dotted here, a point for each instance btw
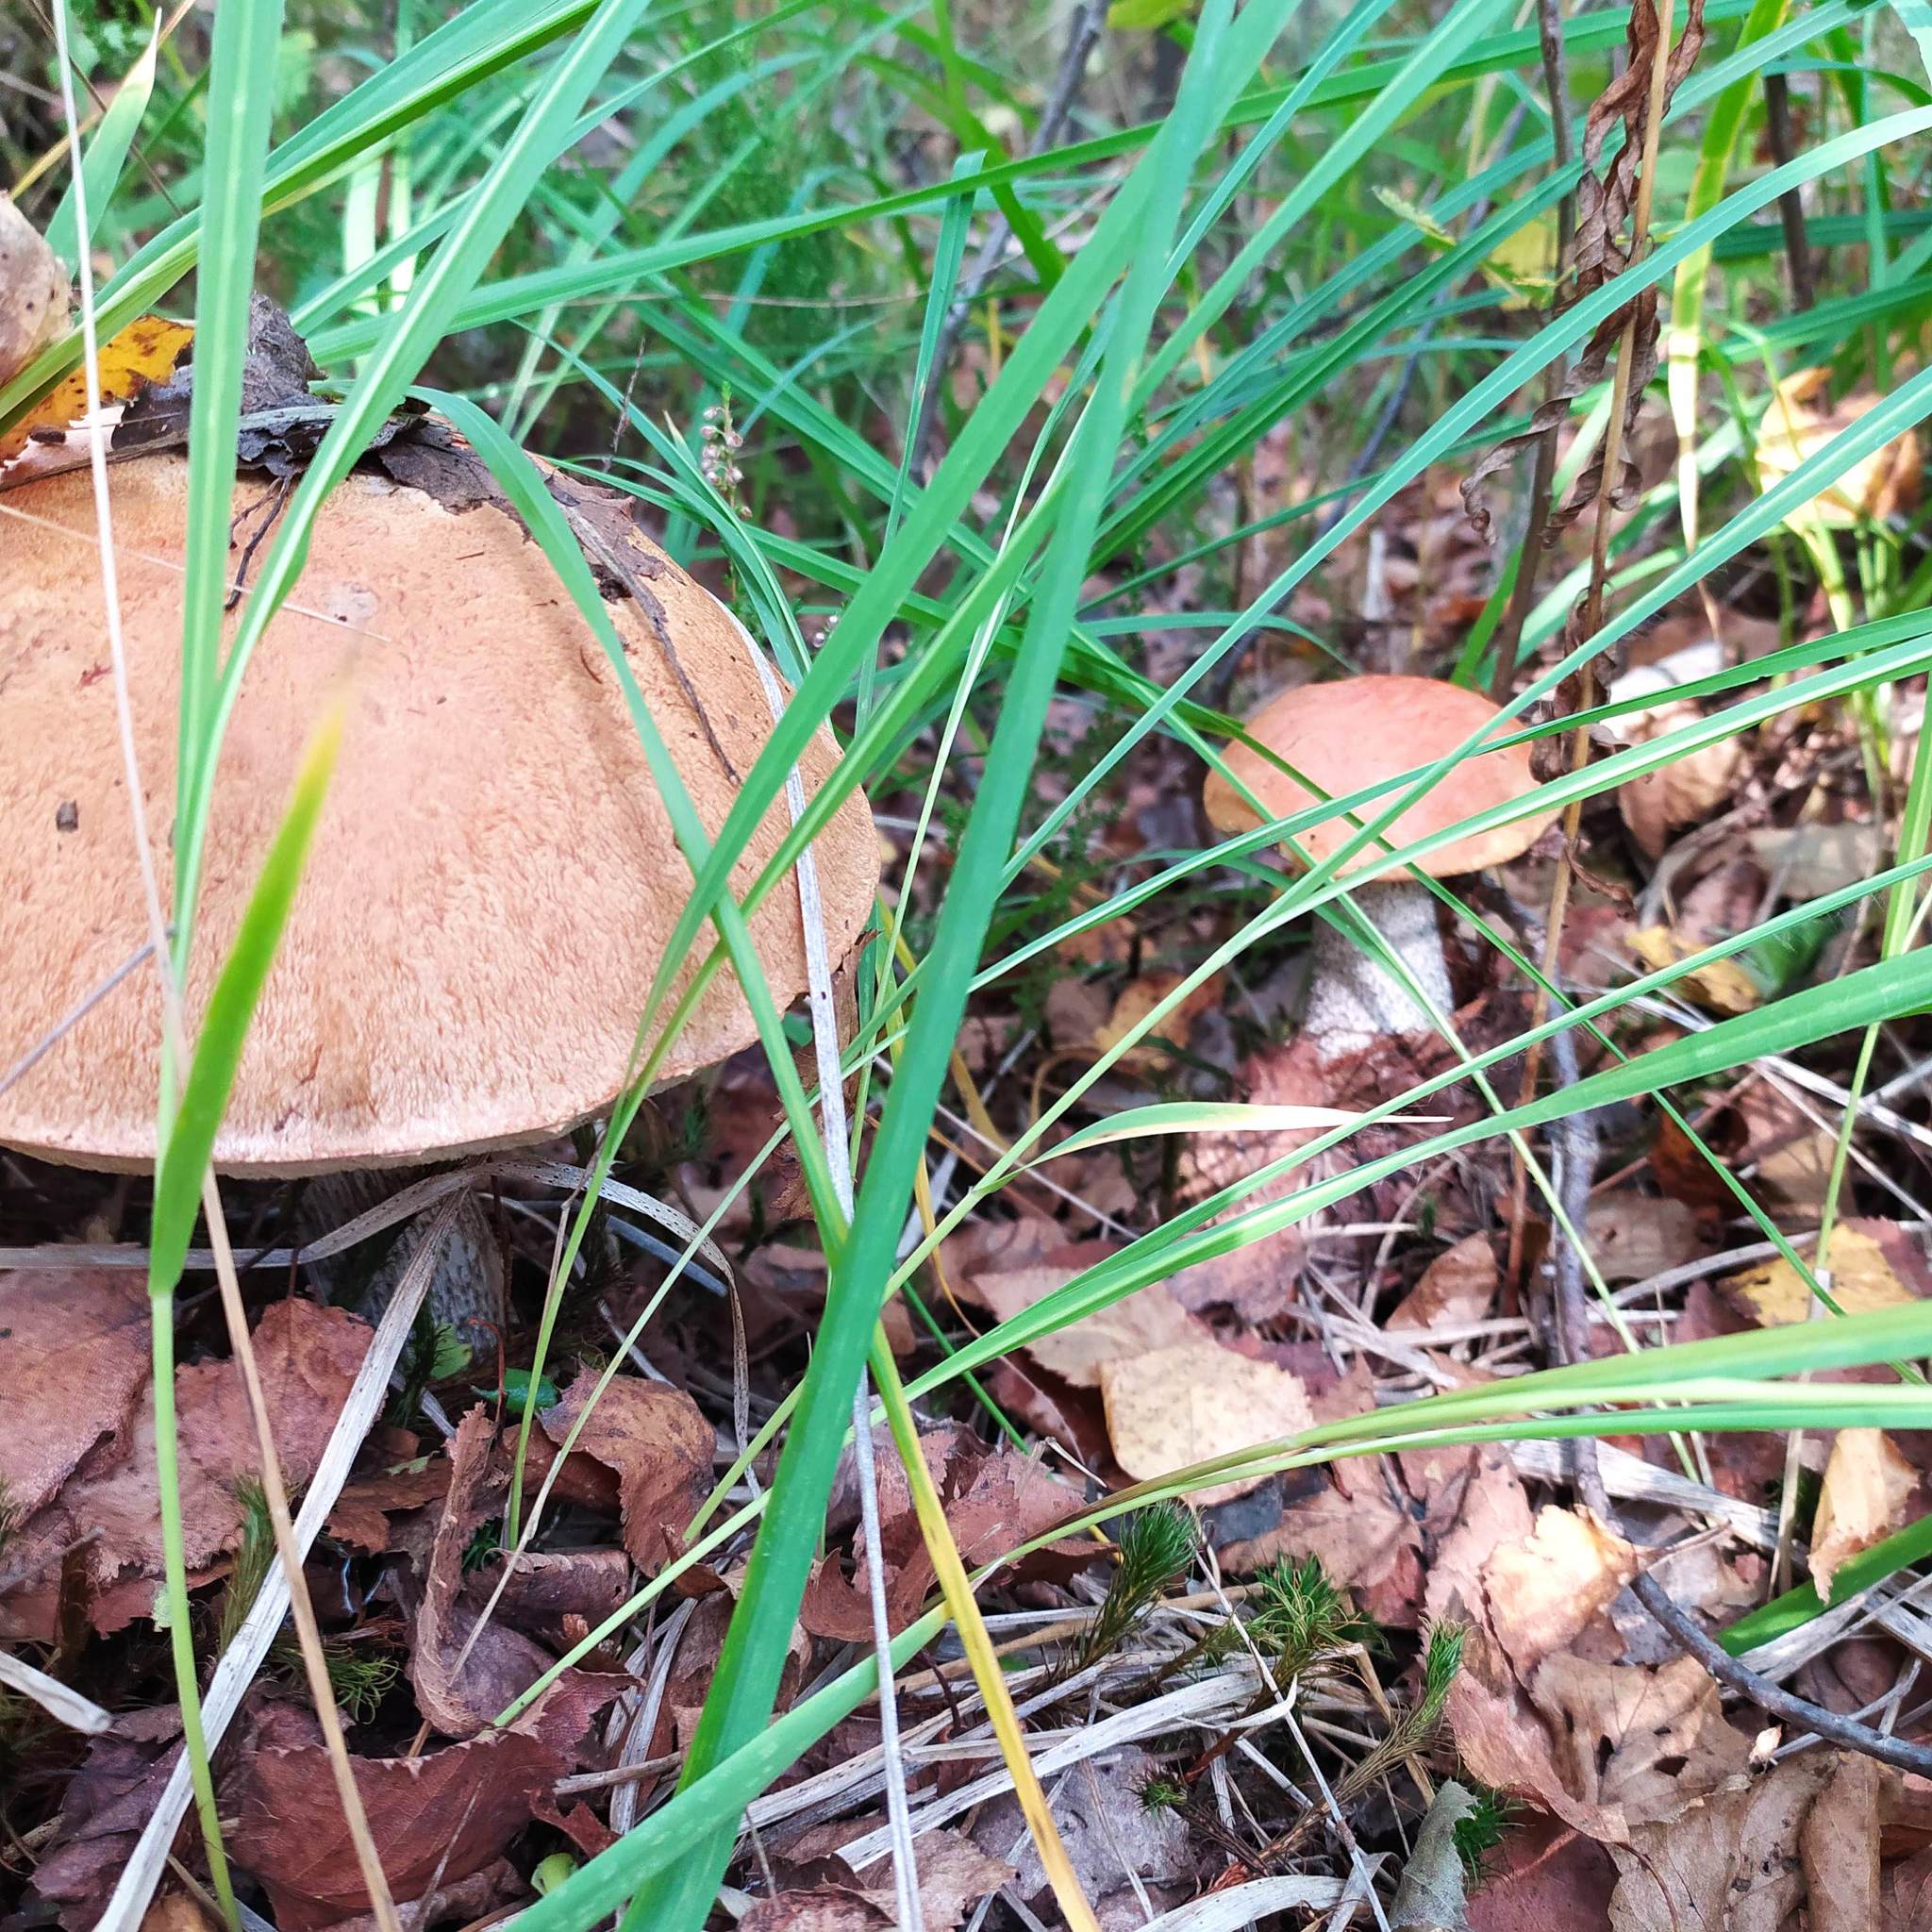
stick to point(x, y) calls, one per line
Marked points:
point(493, 881)
point(1349, 734)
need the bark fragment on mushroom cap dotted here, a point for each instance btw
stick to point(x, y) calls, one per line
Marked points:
point(1349, 734)
point(494, 882)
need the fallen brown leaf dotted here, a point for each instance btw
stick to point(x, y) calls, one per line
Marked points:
point(1867, 1494)
point(103, 1808)
point(1802, 420)
point(437, 1819)
point(1608, 1748)
point(1458, 1287)
point(1544, 1875)
point(307, 1357)
point(74, 1354)
point(1173, 1406)
point(1753, 1854)
point(1540, 1593)
point(1148, 1319)
point(1655, 806)
point(994, 1501)
point(954, 1874)
point(657, 1441)
point(365, 1509)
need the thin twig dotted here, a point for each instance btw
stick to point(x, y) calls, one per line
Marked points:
point(1088, 18)
point(1790, 208)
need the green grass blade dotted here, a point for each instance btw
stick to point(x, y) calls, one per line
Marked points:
point(106, 154)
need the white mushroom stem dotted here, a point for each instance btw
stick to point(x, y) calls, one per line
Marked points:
point(1354, 1000)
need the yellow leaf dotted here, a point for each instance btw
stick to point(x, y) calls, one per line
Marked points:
point(1862, 1281)
point(1723, 986)
point(146, 352)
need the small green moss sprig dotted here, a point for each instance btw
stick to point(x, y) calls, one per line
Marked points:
point(1153, 1550)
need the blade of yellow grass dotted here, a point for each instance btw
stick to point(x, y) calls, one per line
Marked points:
point(958, 1591)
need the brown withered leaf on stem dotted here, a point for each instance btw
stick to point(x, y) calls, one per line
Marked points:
point(437, 1819)
point(74, 1352)
point(307, 1357)
point(463, 1677)
point(657, 1441)
point(1599, 252)
point(1804, 1839)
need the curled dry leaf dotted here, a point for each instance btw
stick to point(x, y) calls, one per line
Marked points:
point(1803, 1840)
point(1599, 252)
point(33, 292)
point(1802, 419)
point(1867, 1493)
point(307, 1357)
point(1685, 791)
point(463, 1680)
point(656, 1440)
point(1606, 1747)
point(1173, 1406)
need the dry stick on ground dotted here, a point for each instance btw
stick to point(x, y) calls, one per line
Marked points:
point(1571, 1327)
point(1593, 603)
point(1088, 18)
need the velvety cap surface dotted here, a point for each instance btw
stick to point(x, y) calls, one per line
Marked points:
point(492, 883)
point(1350, 733)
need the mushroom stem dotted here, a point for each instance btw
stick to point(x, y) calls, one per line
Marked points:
point(1352, 999)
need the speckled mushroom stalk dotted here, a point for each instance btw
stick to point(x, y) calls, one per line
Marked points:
point(1342, 737)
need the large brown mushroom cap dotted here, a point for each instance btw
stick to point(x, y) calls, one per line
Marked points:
point(493, 881)
point(1347, 734)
